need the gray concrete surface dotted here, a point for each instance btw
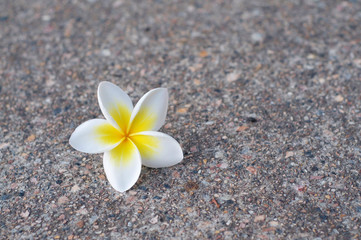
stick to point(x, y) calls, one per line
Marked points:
point(264, 99)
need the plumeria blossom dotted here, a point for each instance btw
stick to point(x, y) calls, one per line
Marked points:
point(128, 136)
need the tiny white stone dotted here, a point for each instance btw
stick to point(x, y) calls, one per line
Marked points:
point(45, 18)
point(154, 220)
point(219, 154)
point(75, 188)
point(106, 52)
point(257, 37)
point(339, 98)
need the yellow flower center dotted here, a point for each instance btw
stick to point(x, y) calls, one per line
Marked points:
point(127, 134)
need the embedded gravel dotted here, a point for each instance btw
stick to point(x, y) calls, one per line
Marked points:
point(265, 99)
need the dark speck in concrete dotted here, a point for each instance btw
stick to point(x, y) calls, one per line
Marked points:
point(4, 18)
point(5, 197)
point(314, 169)
point(56, 111)
point(251, 120)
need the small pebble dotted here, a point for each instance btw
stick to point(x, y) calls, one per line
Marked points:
point(25, 214)
point(257, 37)
point(289, 154)
point(231, 77)
point(260, 218)
point(339, 98)
point(45, 18)
point(219, 154)
point(106, 52)
point(80, 224)
point(252, 170)
point(75, 188)
point(154, 220)
point(63, 199)
point(30, 138)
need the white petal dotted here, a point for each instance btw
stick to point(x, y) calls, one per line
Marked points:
point(150, 112)
point(122, 166)
point(157, 149)
point(95, 136)
point(115, 105)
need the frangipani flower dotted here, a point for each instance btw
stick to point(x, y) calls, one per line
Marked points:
point(128, 136)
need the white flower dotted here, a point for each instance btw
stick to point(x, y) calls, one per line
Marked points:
point(128, 137)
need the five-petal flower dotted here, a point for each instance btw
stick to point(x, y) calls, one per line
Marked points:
point(128, 137)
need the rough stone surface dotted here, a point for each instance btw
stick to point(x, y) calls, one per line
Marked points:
point(265, 99)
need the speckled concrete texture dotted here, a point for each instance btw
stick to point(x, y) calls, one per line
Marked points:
point(265, 99)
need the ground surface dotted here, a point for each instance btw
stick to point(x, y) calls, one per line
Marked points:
point(264, 99)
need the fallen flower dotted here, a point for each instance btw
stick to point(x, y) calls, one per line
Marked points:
point(128, 137)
